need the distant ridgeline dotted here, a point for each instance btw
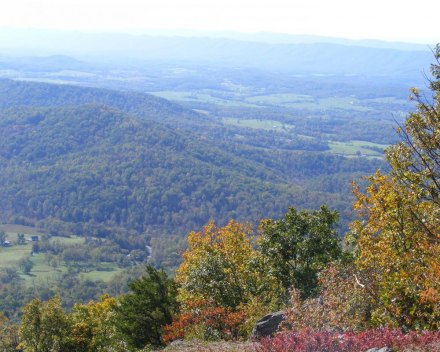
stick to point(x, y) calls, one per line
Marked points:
point(92, 161)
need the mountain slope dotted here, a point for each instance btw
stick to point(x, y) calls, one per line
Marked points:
point(94, 164)
point(94, 167)
point(16, 93)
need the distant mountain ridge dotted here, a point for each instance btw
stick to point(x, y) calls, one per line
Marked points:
point(294, 55)
point(284, 38)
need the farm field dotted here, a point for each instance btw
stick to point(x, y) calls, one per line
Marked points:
point(13, 229)
point(203, 97)
point(268, 125)
point(356, 148)
point(281, 100)
point(41, 270)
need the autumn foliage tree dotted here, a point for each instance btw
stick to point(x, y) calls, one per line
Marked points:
point(90, 327)
point(8, 334)
point(398, 230)
point(93, 328)
point(218, 265)
point(222, 269)
point(44, 326)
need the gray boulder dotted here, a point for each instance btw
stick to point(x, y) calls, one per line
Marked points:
point(268, 325)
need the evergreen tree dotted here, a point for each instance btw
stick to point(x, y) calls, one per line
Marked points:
point(143, 312)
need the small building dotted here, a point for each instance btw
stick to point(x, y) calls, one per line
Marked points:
point(34, 238)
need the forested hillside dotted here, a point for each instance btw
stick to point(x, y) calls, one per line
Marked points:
point(130, 160)
point(16, 93)
point(93, 164)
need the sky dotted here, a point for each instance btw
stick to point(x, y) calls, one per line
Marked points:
point(392, 20)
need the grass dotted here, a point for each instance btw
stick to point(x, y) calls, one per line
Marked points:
point(41, 270)
point(202, 97)
point(389, 100)
point(10, 256)
point(280, 99)
point(72, 240)
point(13, 229)
point(354, 148)
point(285, 100)
point(258, 124)
point(111, 269)
point(344, 103)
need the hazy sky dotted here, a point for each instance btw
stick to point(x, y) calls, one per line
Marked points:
point(403, 20)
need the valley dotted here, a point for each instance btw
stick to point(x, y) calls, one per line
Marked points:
point(113, 162)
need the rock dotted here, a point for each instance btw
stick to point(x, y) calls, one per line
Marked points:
point(383, 349)
point(177, 342)
point(267, 325)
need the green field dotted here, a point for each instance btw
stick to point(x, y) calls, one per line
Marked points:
point(356, 148)
point(299, 101)
point(10, 257)
point(68, 240)
point(280, 99)
point(389, 100)
point(258, 124)
point(13, 229)
point(345, 103)
point(41, 270)
point(285, 100)
point(107, 272)
point(203, 97)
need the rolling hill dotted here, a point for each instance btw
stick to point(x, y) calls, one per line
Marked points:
point(97, 161)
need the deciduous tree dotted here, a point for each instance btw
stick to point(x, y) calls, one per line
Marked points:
point(399, 227)
point(223, 269)
point(8, 335)
point(44, 327)
point(219, 265)
point(300, 245)
point(93, 326)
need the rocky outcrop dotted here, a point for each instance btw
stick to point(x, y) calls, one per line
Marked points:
point(267, 325)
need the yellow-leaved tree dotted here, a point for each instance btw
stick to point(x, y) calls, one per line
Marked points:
point(398, 230)
point(92, 326)
point(222, 273)
point(216, 265)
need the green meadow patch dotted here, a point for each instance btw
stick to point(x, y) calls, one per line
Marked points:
point(357, 148)
point(44, 269)
point(269, 125)
point(10, 256)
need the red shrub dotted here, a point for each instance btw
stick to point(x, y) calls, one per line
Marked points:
point(205, 321)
